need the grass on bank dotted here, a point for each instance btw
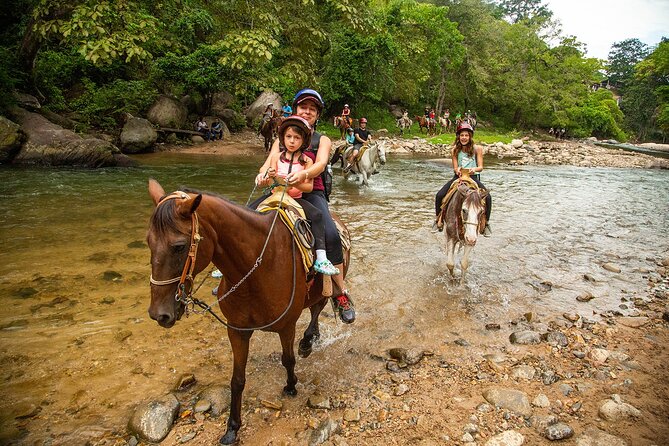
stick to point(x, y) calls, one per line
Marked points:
point(481, 135)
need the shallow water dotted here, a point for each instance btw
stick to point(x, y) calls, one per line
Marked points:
point(78, 349)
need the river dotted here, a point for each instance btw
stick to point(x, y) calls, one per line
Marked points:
point(78, 350)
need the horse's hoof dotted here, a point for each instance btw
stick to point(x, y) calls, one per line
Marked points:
point(304, 352)
point(289, 391)
point(229, 437)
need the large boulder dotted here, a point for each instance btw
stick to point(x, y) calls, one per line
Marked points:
point(221, 101)
point(137, 135)
point(11, 138)
point(27, 101)
point(255, 110)
point(49, 144)
point(167, 112)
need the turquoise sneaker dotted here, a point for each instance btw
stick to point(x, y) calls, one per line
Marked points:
point(326, 267)
point(216, 274)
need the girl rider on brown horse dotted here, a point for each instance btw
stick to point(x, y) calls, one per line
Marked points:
point(465, 155)
point(309, 105)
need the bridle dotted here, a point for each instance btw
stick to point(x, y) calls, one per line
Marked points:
point(187, 298)
point(187, 272)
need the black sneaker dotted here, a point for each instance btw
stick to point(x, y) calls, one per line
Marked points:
point(487, 232)
point(344, 306)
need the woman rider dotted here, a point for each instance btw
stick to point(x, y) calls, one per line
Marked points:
point(309, 105)
point(465, 155)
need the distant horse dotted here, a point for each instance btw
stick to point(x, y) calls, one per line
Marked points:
point(269, 128)
point(464, 219)
point(444, 124)
point(426, 123)
point(187, 231)
point(342, 124)
point(370, 162)
point(472, 121)
point(404, 123)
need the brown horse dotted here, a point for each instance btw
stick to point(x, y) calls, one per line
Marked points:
point(343, 124)
point(464, 219)
point(269, 129)
point(264, 285)
point(428, 124)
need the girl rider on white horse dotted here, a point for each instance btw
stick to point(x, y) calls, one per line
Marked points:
point(309, 105)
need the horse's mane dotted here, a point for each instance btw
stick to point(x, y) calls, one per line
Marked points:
point(164, 217)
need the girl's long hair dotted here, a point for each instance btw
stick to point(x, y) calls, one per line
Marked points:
point(468, 149)
point(283, 151)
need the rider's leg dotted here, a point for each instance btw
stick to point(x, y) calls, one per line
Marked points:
point(354, 153)
point(315, 216)
point(335, 253)
point(488, 209)
point(441, 194)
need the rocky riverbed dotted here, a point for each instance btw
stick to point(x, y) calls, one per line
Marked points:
point(587, 379)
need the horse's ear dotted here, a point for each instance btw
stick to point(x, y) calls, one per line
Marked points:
point(196, 203)
point(156, 191)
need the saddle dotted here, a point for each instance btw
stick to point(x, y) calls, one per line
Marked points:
point(358, 157)
point(292, 215)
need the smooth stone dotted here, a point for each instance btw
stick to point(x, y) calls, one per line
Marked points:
point(633, 322)
point(525, 337)
point(611, 267)
point(541, 400)
point(615, 410)
point(153, 421)
point(318, 402)
point(506, 438)
point(511, 399)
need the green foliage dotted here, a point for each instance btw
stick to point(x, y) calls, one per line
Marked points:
point(104, 106)
point(598, 116)
point(622, 59)
point(9, 77)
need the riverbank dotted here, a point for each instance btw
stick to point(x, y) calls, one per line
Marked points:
point(517, 153)
point(596, 380)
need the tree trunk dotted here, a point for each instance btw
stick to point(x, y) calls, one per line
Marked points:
point(442, 92)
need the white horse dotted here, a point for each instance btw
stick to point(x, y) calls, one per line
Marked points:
point(370, 162)
point(464, 219)
point(404, 123)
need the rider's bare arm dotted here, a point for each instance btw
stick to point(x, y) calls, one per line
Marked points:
point(306, 185)
point(454, 159)
point(479, 158)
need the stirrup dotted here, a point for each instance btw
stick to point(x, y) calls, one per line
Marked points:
point(326, 267)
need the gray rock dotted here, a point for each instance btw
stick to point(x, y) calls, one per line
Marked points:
point(137, 135)
point(541, 422)
point(168, 112)
point(566, 389)
point(614, 410)
point(506, 438)
point(598, 355)
point(318, 402)
point(525, 337)
point(27, 101)
point(513, 400)
point(220, 102)
point(11, 138)
point(218, 397)
point(49, 144)
point(541, 400)
point(611, 267)
point(523, 372)
point(321, 434)
point(549, 377)
point(556, 338)
point(595, 437)
point(152, 421)
point(558, 431)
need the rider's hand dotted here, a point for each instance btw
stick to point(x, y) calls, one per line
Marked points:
point(271, 172)
point(458, 171)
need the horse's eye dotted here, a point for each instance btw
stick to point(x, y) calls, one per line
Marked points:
point(178, 249)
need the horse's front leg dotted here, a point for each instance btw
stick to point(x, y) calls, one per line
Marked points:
point(239, 340)
point(287, 337)
point(311, 334)
point(464, 262)
point(450, 255)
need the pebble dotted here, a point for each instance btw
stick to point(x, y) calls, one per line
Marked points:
point(352, 415)
point(318, 402)
point(558, 431)
point(611, 267)
point(585, 296)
